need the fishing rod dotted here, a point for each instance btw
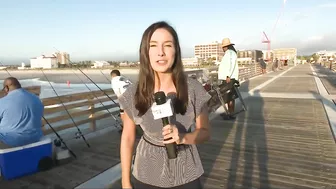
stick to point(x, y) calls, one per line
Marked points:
point(96, 97)
point(104, 76)
point(60, 139)
point(118, 122)
point(79, 133)
point(92, 81)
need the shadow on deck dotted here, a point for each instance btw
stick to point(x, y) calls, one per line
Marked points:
point(283, 142)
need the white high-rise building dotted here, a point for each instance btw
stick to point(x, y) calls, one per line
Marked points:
point(325, 56)
point(212, 50)
point(45, 62)
point(62, 57)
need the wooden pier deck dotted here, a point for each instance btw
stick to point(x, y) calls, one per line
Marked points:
point(90, 162)
point(283, 140)
point(279, 142)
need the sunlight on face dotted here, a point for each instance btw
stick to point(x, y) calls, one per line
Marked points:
point(162, 51)
point(113, 75)
point(5, 88)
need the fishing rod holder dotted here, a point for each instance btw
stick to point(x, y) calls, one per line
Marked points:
point(57, 142)
point(225, 92)
point(78, 135)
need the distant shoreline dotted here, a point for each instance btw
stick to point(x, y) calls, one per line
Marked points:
point(63, 76)
point(98, 71)
point(71, 70)
point(71, 75)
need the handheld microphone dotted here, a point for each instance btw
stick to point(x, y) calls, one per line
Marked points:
point(162, 109)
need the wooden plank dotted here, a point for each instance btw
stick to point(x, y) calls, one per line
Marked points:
point(76, 97)
point(271, 148)
point(78, 100)
point(76, 104)
point(80, 113)
point(47, 130)
point(103, 154)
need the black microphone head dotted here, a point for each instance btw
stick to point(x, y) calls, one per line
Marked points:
point(160, 97)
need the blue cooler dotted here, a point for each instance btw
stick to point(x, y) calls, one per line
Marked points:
point(24, 160)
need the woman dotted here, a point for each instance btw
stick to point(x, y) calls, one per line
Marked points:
point(161, 69)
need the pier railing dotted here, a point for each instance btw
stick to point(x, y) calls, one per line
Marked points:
point(330, 65)
point(85, 108)
point(246, 71)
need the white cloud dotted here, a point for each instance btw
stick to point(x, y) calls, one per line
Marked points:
point(301, 15)
point(315, 38)
point(311, 44)
point(328, 5)
point(308, 12)
point(307, 45)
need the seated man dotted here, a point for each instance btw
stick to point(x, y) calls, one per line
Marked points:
point(20, 116)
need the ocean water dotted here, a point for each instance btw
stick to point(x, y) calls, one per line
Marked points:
point(60, 88)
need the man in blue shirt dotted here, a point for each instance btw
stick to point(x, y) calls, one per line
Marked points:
point(20, 115)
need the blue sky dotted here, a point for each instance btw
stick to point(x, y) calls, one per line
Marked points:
point(110, 29)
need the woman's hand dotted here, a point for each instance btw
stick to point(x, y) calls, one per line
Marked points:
point(171, 134)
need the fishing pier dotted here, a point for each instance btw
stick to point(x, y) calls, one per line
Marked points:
point(285, 139)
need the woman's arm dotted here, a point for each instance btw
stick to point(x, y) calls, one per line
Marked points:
point(199, 98)
point(202, 131)
point(126, 150)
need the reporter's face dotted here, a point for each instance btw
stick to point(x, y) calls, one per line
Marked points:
point(162, 51)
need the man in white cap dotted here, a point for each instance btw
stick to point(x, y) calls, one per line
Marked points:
point(228, 69)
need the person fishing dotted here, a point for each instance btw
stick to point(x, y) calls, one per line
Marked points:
point(263, 65)
point(228, 69)
point(119, 85)
point(20, 115)
point(161, 71)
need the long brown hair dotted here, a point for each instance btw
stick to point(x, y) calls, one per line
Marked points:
point(231, 47)
point(146, 81)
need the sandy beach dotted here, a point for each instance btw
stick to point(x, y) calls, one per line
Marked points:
point(65, 75)
point(62, 76)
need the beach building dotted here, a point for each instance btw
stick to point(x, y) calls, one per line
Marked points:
point(267, 54)
point(212, 50)
point(285, 54)
point(100, 64)
point(22, 67)
point(325, 56)
point(193, 61)
point(249, 56)
point(62, 58)
point(45, 62)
